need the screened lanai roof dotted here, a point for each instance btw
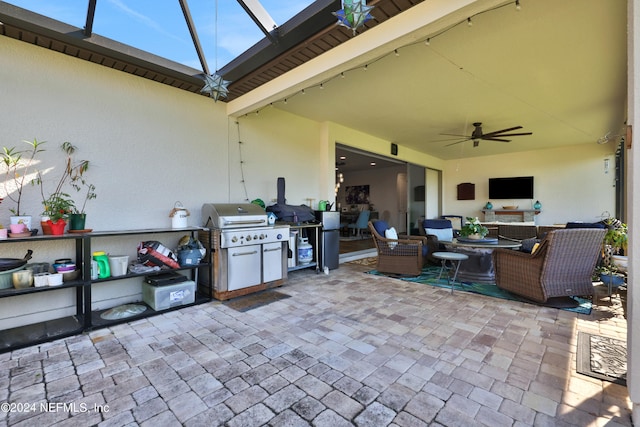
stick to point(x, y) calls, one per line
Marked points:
point(91, 31)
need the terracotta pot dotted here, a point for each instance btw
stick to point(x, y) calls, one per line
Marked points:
point(46, 228)
point(57, 228)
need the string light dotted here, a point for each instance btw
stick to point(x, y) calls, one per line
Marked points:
point(396, 52)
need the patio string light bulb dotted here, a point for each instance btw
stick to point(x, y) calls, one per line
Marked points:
point(354, 14)
point(215, 86)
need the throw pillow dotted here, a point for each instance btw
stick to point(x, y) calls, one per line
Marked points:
point(391, 233)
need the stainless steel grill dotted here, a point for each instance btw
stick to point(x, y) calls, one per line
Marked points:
point(252, 254)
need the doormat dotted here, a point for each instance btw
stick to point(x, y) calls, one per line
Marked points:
point(601, 357)
point(258, 299)
point(429, 276)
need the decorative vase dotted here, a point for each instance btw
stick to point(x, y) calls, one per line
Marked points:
point(537, 205)
point(489, 205)
point(57, 228)
point(77, 221)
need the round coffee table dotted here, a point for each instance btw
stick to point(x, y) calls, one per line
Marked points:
point(455, 259)
point(479, 267)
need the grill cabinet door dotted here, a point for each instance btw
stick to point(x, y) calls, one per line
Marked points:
point(272, 264)
point(243, 265)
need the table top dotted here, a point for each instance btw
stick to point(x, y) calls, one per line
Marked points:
point(501, 243)
point(453, 256)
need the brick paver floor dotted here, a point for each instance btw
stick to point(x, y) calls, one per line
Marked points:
point(345, 349)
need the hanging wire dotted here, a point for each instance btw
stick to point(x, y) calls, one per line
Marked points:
point(242, 180)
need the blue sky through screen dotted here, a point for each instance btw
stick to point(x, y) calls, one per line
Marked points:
point(159, 27)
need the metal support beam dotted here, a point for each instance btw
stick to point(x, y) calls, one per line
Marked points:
point(91, 11)
point(194, 36)
point(261, 17)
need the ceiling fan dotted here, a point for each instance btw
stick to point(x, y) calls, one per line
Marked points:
point(497, 135)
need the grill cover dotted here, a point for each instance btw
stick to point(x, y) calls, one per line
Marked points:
point(233, 215)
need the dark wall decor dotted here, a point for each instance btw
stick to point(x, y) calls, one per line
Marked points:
point(357, 194)
point(466, 191)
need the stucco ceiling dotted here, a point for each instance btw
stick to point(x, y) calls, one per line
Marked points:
point(556, 68)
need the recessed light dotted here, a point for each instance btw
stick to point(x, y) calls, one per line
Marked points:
point(343, 157)
point(372, 163)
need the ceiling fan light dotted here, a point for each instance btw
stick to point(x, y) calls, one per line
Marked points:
point(476, 142)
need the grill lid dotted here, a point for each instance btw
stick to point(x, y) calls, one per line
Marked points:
point(233, 215)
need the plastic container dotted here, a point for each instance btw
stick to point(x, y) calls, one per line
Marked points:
point(54, 279)
point(6, 279)
point(22, 279)
point(163, 297)
point(118, 265)
point(103, 264)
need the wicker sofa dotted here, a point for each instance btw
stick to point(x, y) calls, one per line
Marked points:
point(561, 266)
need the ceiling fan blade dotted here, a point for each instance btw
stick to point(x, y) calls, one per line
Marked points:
point(511, 134)
point(454, 134)
point(458, 142)
point(503, 130)
point(447, 139)
point(496, 139)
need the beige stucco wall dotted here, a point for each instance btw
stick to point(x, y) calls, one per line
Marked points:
point(150, 145)
point(570, 182)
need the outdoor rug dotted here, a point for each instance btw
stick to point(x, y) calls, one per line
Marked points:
point(601, 357)
point(258, 299)
point(429, 276)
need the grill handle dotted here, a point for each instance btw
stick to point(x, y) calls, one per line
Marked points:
point(255, 221)
point(244, 253)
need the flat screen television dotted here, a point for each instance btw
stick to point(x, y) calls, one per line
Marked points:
point(520, 187)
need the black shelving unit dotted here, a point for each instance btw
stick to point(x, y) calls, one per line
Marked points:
point(85, 318)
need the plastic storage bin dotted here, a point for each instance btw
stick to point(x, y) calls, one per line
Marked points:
point(168, 296)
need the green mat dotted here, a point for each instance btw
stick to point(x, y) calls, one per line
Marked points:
point(429, 276)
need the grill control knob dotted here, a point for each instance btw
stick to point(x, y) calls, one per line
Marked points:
point(279, 236)
point(234, 239)
point(248, 238)
point(262, 237)
point(255, 237)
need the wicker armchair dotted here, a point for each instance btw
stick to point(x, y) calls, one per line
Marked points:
point(561, 266)
point(402, 256)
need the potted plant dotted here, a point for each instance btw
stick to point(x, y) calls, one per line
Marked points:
point(78, 217)
point(18, 165)
point(610, 275)
point(58, 205)
point(473, 229)
point(615, 242)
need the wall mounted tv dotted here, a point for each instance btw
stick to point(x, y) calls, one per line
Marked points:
point(520, 187)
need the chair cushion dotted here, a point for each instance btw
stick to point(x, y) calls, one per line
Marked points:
point(391, 233)
point(441, 228)
point(380, 226)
